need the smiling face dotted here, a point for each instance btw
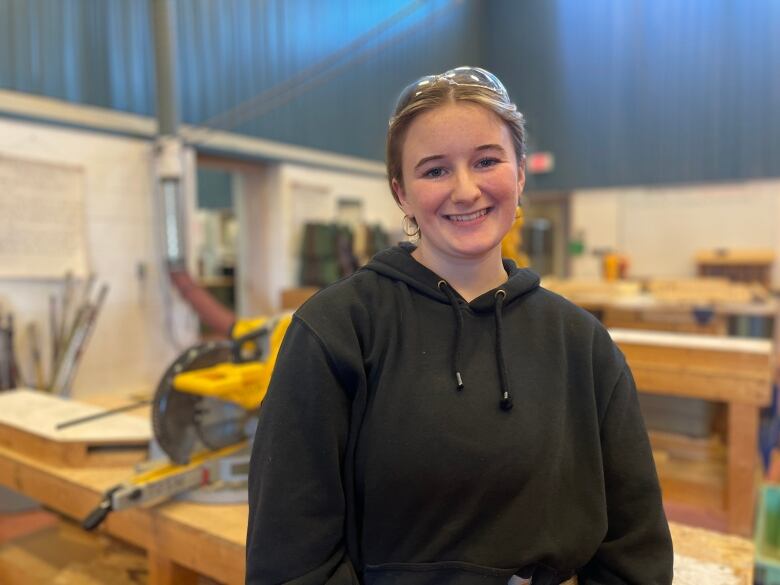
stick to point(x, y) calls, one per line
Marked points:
point(461, 183)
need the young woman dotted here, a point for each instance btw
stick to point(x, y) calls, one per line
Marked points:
point(438, 418)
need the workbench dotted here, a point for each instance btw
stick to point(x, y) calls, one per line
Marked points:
point(734, 371)
point(182, 540)
point(706, 306)
point(185, 540)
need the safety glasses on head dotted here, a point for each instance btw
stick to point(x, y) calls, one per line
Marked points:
point(469, 76)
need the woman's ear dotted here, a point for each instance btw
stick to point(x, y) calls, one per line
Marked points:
point(520, 176)
point(400, 195)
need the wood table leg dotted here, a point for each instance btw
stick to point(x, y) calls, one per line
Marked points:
point(163, 571)
point(742, 465)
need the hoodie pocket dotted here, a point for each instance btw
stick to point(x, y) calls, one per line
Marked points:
point(439, 573)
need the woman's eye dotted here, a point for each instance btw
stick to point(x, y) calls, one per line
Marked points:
point(434, 172)
point(487, 162)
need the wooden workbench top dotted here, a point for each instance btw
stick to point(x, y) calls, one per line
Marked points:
point(732, 552)
point(208, 539)
point(692, 341)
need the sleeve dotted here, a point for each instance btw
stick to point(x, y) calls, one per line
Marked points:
point(637, 549)
point(296, 498)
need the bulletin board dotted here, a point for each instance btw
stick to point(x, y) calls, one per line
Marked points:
point(42, 219)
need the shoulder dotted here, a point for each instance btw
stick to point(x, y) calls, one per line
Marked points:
point(583, 334)
point(558, 307)
point(343, 296)
point(342, 308)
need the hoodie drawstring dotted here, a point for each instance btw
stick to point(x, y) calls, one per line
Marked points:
point(443, 286)
point(506, 398)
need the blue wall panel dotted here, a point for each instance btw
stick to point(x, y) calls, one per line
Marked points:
point(99, 52)
point(234, 55)
point(622, 91)
point(642, 92)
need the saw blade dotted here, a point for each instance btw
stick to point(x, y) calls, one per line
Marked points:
point(219, 423)
point(176, 415)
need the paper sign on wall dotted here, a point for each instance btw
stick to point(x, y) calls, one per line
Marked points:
point(42, 224)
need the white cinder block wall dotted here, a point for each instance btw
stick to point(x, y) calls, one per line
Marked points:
point(662, 228)
point(130, 347)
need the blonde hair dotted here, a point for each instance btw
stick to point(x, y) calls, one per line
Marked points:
point(438, 94)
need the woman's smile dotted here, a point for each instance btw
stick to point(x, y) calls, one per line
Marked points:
point(469, 218)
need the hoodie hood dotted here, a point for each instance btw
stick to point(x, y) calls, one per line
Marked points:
point(397, 263)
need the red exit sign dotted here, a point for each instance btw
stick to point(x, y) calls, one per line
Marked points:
point(540, 162)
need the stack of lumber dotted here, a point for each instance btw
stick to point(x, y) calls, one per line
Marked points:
point(583, 290)
point(683, 305)
point(705, 291)
point(658, 291)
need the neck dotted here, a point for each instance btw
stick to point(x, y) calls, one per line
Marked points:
point(470, 277)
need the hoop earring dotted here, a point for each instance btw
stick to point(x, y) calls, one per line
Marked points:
point(410, 227)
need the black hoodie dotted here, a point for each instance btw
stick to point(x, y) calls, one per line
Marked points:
point(373, 464)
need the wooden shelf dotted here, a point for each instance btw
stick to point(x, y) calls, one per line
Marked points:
point(735, 257)
point(699, 483)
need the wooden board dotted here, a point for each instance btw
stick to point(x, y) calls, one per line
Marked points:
point(680, 321)
point(662, 296)
point(28, 421)
point(731, 551)
point(698, 366)
point(739, 257)
point(684, 448)
point(699, 485)
point(761, 347)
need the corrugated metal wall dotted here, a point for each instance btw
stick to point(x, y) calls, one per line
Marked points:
point(95, 52)
point(99, 52)
point(629, 92)
point(622, 91)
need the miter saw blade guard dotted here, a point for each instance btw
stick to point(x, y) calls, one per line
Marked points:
point(184, 422)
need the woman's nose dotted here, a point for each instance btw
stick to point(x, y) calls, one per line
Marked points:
point(465, 189)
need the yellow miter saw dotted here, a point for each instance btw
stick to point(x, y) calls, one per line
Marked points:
point(204, 412)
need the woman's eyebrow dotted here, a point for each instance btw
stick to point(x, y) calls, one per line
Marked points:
point(426, 159)
point(490, 147)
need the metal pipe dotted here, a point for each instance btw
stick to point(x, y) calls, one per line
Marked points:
point(169, 151)
point(164, 26)
point(169, 146)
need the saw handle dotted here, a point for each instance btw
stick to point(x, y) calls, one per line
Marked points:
point(96, 516)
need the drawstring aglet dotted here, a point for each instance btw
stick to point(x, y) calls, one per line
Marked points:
point(460, 380)
point(506, 402)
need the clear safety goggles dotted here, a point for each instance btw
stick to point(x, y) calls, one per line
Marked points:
point(473, 76)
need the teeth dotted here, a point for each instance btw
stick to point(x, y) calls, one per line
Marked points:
point(468, 217)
